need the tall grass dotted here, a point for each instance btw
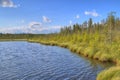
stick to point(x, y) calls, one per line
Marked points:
point(94, 47)
point(110, 74)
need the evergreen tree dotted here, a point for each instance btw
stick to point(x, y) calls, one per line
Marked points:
point(90, 25)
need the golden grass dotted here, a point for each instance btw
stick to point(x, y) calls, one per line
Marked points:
point(110, 74)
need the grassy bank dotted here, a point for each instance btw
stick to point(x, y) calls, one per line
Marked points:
point(92, 47)
point(110, 74)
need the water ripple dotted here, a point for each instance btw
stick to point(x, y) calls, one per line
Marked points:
point(33, 61)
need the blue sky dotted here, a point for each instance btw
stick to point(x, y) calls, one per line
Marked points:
point(20, 15)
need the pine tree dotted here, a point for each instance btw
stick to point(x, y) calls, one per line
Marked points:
point(90, 25)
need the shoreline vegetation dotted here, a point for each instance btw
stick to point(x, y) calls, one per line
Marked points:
point(99, 41)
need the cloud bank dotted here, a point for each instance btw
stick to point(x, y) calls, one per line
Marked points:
point(33, 27)
point(8, 3)
point(92, 13)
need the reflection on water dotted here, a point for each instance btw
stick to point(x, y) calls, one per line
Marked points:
point(33, 61)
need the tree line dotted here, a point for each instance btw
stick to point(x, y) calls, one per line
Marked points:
point(107, 26)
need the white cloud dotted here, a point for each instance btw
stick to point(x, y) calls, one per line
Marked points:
point(20, 29)
point(92, 13)
point(46, 20)
point(33, 27)
point(33, 24)
point(8, 3)
point(77, 16)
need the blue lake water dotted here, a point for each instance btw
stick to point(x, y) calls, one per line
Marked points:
point(32, 61)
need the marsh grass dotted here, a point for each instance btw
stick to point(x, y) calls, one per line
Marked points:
point(89, 47)
point(110, 74)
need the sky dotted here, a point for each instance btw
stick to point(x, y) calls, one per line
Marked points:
point(48, 16)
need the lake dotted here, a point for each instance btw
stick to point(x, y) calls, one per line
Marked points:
point(20, 60)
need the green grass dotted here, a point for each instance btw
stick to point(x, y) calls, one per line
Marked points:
point(110, 74)
point(89, 47)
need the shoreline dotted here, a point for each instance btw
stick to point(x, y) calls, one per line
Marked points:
point(73, 48)
point(103, 75)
